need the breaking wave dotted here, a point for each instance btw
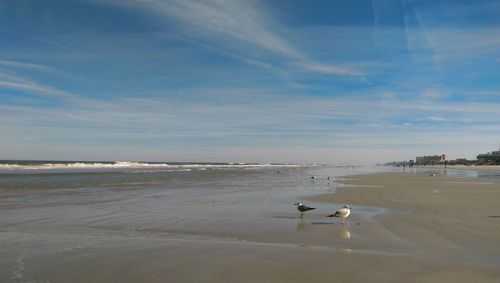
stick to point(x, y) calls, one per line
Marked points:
point(61, 165)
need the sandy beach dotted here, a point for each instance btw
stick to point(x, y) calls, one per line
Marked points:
point(405, 227)
point(454, 220)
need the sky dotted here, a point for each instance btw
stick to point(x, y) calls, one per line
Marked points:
point(338, 82)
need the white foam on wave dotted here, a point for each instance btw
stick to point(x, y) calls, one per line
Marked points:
point(82, 165)
point(132, 165)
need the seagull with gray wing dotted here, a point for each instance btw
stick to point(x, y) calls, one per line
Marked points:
point(343, 213)
point(303, 208)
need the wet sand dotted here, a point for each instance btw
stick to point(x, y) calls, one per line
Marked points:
point(405, 227)
point(455, 220)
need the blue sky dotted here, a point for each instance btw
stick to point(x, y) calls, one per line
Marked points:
point(256, 81)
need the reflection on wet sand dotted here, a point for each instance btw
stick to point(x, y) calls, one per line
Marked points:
point(342, 233)
point(303, 225)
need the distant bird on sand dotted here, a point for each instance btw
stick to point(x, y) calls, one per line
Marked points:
point(303, 208)
point(343, 213)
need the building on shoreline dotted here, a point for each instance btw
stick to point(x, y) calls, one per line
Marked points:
point(430, 159)
point(490, 158)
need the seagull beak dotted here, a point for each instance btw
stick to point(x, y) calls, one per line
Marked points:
point(331, 215)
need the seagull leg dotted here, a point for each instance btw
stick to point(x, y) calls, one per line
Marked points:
point(301, 214)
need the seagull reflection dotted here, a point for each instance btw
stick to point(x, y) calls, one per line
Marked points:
point(303, 225)
point(342, 233)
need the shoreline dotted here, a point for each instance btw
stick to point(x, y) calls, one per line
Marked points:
point(457, 167)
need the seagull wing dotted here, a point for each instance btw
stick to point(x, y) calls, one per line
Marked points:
point(343, 212)
point(305, 208)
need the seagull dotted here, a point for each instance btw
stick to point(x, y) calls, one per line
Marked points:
point(303, 208)
point(343, 213)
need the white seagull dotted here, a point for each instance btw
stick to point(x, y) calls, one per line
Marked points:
point(303, 208)
point(343, 213)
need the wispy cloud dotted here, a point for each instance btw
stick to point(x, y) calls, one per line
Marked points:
point(328, 69)
point(279, 125)
point(39, 39)
point(237, 20)
point(24, 65)
point(36, 88)
point(435, 93)
point(10, 80)
point(234, 25)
